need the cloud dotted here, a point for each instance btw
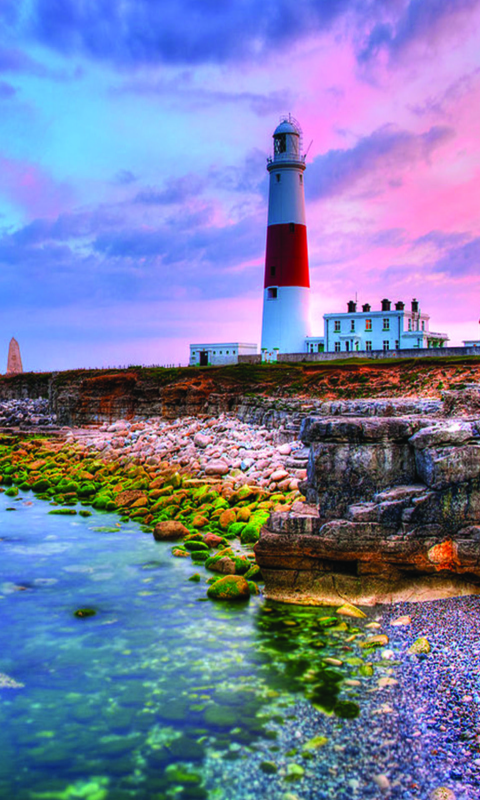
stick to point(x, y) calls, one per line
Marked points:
point(387, 150)
point(176, 190)
point(124, 177)
point(460, 261)
point(6, 91)
point(422, 21)
point(31, 188)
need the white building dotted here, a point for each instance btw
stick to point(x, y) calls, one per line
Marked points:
point(220, 353)
point(385, 329)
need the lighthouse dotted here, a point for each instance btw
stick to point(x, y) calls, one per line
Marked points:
point(286, 298)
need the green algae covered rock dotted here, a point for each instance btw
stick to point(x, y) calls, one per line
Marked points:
point(63, 511)
point(250, 534)
point(196, 545)
point(254, 573)
point(41, 485)
point(421, 646)
point(85, 612)
point(231, 587)
point(235, 529)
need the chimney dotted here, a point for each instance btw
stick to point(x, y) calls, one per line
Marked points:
point(386, 305)
point(351, 307)
point(415, 306)
point(366, 308)
point(399, 306)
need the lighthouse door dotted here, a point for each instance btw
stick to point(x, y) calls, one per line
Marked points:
point(203, 358)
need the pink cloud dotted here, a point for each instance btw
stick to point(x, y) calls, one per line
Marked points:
point(31, 189)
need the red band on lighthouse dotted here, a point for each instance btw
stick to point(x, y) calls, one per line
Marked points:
point(286, 261)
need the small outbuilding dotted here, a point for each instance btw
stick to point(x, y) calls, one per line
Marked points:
point(219, 353)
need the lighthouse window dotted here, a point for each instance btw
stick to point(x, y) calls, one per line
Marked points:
point(278, 177)
point(272, 270)
point(272, 293)
point(292, 227)
point(280, 143)
point(300, 178)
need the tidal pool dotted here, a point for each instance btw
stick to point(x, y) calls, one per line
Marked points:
point(159, 693)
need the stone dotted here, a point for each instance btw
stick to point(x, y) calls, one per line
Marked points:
point(349, 610)
point(169, 530)
point(213, 540)
point(14, 363)
point(201, 440)
point(231, 587)
point(399, 621)
point(420, 646)
point(129, 497)
point(225, 565)
point(226, 518)
point(279, 475)
point(382, 782)
point(216, 468)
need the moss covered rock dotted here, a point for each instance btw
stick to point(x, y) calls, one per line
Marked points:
point(231, 587)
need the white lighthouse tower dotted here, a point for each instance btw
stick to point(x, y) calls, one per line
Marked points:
point(286, 320)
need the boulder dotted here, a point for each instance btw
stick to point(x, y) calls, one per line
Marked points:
point(169, 530)
point(392, 513)
point(231, 587)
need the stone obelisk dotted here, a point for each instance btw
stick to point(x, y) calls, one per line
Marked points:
point(14, 364)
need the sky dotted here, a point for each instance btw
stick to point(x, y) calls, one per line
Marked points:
point(133, 185)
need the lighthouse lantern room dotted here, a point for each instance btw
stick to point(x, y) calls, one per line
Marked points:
point(286, 320)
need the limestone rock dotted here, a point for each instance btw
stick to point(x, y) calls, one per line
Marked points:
point(392, 513)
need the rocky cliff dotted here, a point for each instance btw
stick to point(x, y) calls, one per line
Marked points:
point(392, 511)
point(83, 397)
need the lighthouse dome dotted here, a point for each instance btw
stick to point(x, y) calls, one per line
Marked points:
point(286, 126)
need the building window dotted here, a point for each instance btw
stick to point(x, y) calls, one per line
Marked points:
point(386, 324)
point(278, 177)
point(409, 324)
point(227, 352)
point(336, 326)
point(423, 325)
point(337, 347)
point(272, 270)
point(368, 324)
point(386, 344)
point(397, 344)
point(368, 345)
point(352, 324)
point(272, 293)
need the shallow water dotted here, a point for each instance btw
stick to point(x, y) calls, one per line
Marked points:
point(141, 699)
